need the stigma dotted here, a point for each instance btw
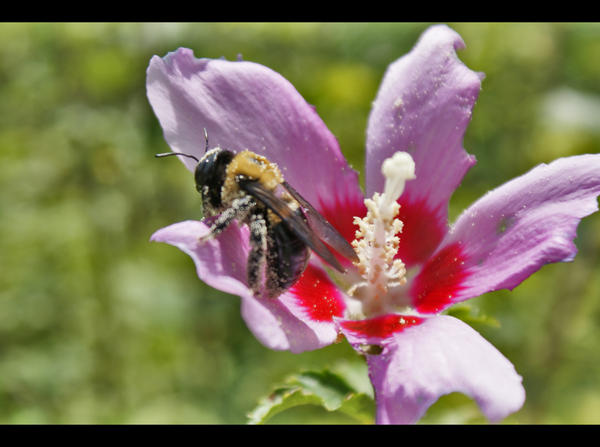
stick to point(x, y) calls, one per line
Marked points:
point(376, 240)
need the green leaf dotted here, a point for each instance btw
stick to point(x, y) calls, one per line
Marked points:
point(325, 388)
point(472, 315)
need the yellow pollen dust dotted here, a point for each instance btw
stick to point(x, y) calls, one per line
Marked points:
point(376, 242)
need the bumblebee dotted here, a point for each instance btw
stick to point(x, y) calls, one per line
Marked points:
point(283, 226)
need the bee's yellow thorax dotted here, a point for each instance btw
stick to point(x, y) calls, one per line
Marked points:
point(256, 167)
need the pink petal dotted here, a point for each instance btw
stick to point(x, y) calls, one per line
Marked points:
point(511, 233)
point(299, 320)
point(339, 210)
point(221, 262)
point(424, 228)
point(377, 330)
point(244, 105)
point(441, 355)
point(304, 314)
point(423, 107)
point(315, 298)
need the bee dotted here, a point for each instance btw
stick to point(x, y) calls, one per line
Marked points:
point(284, 227)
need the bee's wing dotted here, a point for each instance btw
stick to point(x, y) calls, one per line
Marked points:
point(294, 221)
point(323, 228)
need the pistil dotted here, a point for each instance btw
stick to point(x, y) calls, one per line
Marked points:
point(377, 240)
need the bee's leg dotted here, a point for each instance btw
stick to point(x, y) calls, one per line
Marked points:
point(256, 257)
point(239, 208)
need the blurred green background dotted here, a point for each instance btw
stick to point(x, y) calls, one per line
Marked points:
point(98, 325)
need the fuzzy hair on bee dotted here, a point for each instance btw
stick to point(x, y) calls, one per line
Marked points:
point(283, 226)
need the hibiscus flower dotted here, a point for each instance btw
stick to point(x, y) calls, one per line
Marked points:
point(413, 264)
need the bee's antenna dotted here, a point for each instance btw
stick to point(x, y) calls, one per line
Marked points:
point(205, 140)
point(168, 154)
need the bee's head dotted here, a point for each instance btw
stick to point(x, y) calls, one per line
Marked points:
point(211, 171)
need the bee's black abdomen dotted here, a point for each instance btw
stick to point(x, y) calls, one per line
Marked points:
point(287, 257)
point(210, 176)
